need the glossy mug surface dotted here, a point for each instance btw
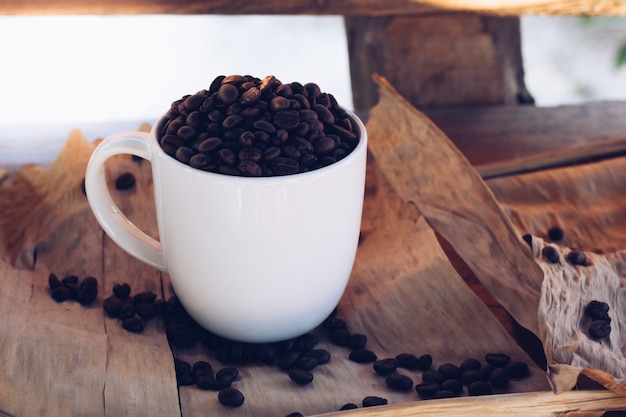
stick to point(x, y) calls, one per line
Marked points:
point(252, 259)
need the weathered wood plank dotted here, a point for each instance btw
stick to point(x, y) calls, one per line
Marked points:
point(437, 60)
point(315, 7)
point(488, 134)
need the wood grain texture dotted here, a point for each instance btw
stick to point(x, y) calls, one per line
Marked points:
point(318, 7)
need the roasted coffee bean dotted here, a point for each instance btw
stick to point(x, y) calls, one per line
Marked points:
point(199, 160)
point(306, 363)
point(427, 389)
point(424, 362)
point(88, 291)
point(300, 376)
point(250, 96)
point(232, 121)
point(112, 306)
point(133, 324)
point(54, 281)
point(184, 379)
point(324, 114)
point(229, 371)
point(453, 385)
point(121, 290)
point(182, 337)
point(287, 360)
point(340, 337)
point(444, 393)
point(471, 375)
point(225, 381)
point(385, 366)
point(399, 382)
point(357, 341)
point(145, 311)
point(470, 364)
point(551, 254)
point(205, 381)
point(499, 378)
point(486, 371)
point(555, 234)
point(449, 371)
point(479, 388)
point(279, 103)
point(528, 239)
point(430, 375)
point(202, 368)
point(295, 414)
point(184, 154)
point(147, 297)
point(285, 166)
point(227, 156)
point(407, 361)
point(362, 356)
point(181, 366)
point(306, 342)
point(62, 293)
point(250, 168)
point(597, 310)
point(518, 369)
point(73, 289)
point(322, 356)
point(125, 181)
point(324, 146)
point(186, 133)
point(230, 397)
point(373, 401)
point(599, 329)
point(348, 406)
point(498, 360)
point(576, 257)
point(228, 93)
point(127, 309)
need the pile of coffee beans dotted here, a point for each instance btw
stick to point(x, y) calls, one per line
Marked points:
point(598, 312)
point(134, 310)
point(252, 127)
point(69, 288)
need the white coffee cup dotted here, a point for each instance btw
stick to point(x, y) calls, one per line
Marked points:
point(252, 259)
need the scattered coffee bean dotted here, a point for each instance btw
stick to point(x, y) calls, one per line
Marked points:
point(54, 281)
point(357, 341)
point(449, 371)
point(431, 375)
point(472, 375)
point(479, 388)
point(362, 356)
point(112, 306)
point(499, 360)
point(424, 362)
point(399, 382)
point(453, 385)
point(444, 393)
point(385, 366)
point(322, 356)
point(555, 234)
point(300, 377)
point(373, 401)
point(205, 381)
point(230, 397)
point(147, 297)
point(133, 324)
point(427, 389)
point(599, 329)
point(229, 371)
point(551, 254)
point(88, 291)
point(470, 364)
point(528, 239)
point(576, 257)
point(60, 294)
point(121, 290)
point(125, 181)
point(348, 406)
point(499, 378)
point(295, 414)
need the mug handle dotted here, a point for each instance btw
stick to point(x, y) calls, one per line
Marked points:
point(119, 228)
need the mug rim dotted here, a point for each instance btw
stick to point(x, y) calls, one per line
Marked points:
point(362, 143)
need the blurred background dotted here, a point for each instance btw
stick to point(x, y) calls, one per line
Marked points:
point(102, 74)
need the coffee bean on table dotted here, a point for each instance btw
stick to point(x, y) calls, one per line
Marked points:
point(385, 366)
point(430, 375)
point(230, 397)
point(62, 293)
point(472, 375)
point(499, 360)
point(133, 324)
point(407, 361)
point(373, 401)
point(449, 371)
point(517, 369)
point(470, 364)
point(427, 389)
point(121, 290)
point(54, 281)
point(424, 362)
point(479, 388)
point(362, 356)
point(499, 378)
point(399, 382)
point(322, 356)
point(300, 377)
point(597, 310)
point(348, 406)
point(453, 385)
point(88, 291)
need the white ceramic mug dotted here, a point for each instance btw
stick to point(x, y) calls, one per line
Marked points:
point(252, 259)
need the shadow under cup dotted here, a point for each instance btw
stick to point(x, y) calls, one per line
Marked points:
point(255, 259)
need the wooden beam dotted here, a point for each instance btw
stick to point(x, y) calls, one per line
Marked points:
point(313, 7)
